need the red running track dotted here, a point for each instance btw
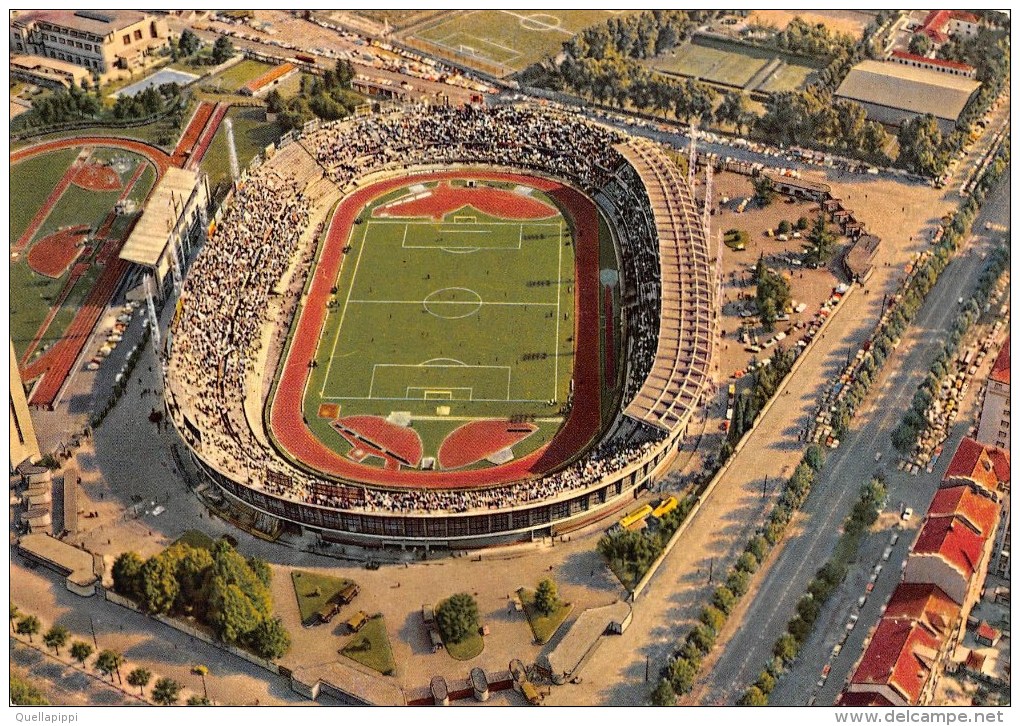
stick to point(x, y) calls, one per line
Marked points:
point(205, 140)
point(54, 253)
point(287, 421)
point(445, 199)
point(477, 440)
point(192, 132)
point(55, 365)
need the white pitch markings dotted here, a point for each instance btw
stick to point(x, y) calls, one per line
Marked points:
point(340, 325)
point(559, 278)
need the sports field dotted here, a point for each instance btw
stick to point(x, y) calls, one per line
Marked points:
point(61, 204)
point(450, 335)
point(512, 39)
point(458, 316)
point(734, 65)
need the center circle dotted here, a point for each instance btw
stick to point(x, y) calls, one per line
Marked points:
point(451, 303)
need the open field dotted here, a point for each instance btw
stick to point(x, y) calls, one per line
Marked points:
point(513, 39)
point(371, 647)
point(852, 22)
point(410, 326)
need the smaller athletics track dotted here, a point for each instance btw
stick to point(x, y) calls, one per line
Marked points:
point(286, 418)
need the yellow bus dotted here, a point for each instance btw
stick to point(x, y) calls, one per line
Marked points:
point(666, 506)
point(636, 516)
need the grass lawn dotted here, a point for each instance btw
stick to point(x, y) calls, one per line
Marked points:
point(512, 38)
point(471, 647)
point(371, 647)
point(194, 538)
point(543, 626)
point(790, 77)
point(251, 136)
point(313, 590)
point(469, 313)
point(32, 180)
point(235, 77)
point(711, 64)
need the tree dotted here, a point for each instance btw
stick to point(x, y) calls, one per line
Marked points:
point(546, 598)
point(457, 617)
point(764, 191)
point(24, 693)
point(189, 43)
point(821, 242)
point(270, 639)
point(196, 700)
point(735, 110)
point(126, 571)
point(15, 614)
point(754, 697)
point(166, 691)
point(815, 457)
point(231, 612)
point(784, 227)
point(158, 579)
point(758, 547)
point(703, 638)
point(261, 570)
point(682, 673)
point(29, 625)
point(724, 599)
point(664, 695)
point(56, 637)
point(109, 662)
point(747, 562)
point(738, 582)
point(786, 648)
point(766, 682)
point(714, 618)
point(803, 223)
point(139, 677)
point(920, 44)
point(222, 50)
point(80, 651)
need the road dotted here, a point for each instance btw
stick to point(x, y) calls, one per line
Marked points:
point(835, 493)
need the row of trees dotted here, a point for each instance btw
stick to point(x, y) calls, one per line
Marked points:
point(645, 34)
point(906, 304)
point(915, 420)
point(218, 587)
point(680, 673)
point(329, 98)
point(825, 582)
point(150, 102)
point(804, 38)
point(189, 46)
point(108, 662)
point(764, 383)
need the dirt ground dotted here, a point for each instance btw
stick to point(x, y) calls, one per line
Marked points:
point(852, 22)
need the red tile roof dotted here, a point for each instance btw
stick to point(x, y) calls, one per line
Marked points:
point(987, 632)
point(952, 540)
point(937, 20)
point(933, 61)
point(964, 16)
point(925, 602)
point(971, 461)
point(1000, 462)
point(900, 655)
point(863, 699)
point(980, 512)
point(1000, 371)
point(975, 661)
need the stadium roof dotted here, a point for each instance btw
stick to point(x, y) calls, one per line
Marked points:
point(149, 238)
point(917, 90)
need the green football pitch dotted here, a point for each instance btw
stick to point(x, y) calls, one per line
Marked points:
point(448, 321)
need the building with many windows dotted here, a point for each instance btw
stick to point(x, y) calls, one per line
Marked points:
point(100, 40)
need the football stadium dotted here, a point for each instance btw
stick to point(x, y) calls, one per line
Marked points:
point(450, 327)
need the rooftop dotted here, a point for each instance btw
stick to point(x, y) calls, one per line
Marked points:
point(900, 655)
point(904, 55)
point(97, 22)
point(954, 541)
point(984, 465)
point(917, 90)
point(149, 238)
point(981, 513)
point(925, 602)
point(1000, 371)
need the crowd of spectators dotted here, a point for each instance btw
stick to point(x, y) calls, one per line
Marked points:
point(224, 312)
